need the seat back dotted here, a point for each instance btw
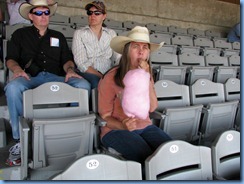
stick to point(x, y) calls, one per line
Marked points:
point(79, 20)
point(204, 91)
point(101, 167)
point(182, 40)
point(157, 28)
point(223, 44)
point(203, 42)
point(177, 30)
point(159, 57)
point(195, 32)
point(59, 19)
point(179, 160)
point(190, 59)
point(62, 128)
point(10, 29)
point(113, 24)
point(232, 89)
point(171, 94)
point(226, 155)
point(161, 37)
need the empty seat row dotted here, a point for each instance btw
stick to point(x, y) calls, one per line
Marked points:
point(188, 67)
point(196, 112)
point(173, 160)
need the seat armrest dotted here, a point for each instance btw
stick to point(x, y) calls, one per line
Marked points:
point(156, 115)
point(100, 121)
point(24, 133)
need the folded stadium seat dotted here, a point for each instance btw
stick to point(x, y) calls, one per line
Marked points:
point(236, 45)
point(195, 32)
point(165, 66)
point(174, 113)
point(179, 160)
point(59, 19)
point(235, 61)
point(230, 52)
point(226, 156)
point(156, 28)
point(232, 89)
point(222, 70)
point(56, 128)
point(196, 68)
point(214, 33)
point(218, 115)
point(161, 37)
point(177, 30)
point(113, 24)
point(203, 42)
point(131, 24)
point(222, 43)
point(79, 21)
point(101, 167)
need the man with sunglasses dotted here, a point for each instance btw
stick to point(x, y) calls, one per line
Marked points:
point(36, 55)
point(91, 45)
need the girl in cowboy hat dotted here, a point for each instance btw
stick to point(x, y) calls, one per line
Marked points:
point(132, 137)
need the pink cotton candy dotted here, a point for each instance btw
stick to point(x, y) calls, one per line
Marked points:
point(135, 99)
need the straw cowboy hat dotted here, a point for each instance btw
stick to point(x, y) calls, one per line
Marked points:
point(137, 34)
point(25, 7)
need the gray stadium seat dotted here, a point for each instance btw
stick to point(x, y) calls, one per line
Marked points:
point(156, 28)
point(131, 24)
point(61, 127)
point(223, 44)
point(79, 20)
point(59, 19)
point(195, 32)
point(177, 30)
point(203, 42)
point(232, 89)
point(161, 37)
point(113, 24)
point(101, 167)
point(213, 33)
point(179, 160)
point(178, 118)
point(222, 69)
point(196, 68)
point(236, 45)
point(226, 156)
point(218, 115)
point(186, 40)
point(10, 29)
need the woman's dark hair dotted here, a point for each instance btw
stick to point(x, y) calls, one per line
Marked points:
point(124, 66)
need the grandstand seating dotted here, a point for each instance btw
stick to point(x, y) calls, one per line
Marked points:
point(218, 115)
point(226, 158)
point(179, 160)
point(223, 44)
point(222, 70)
point(131, 24)
point(236, 45)
point(177, 30)
point(79, 20)
point(196, 68)
point(61, 127)
point(177, 118)
point(161, 37)
point(101, 167)
point(213, 33)
point(156, 28)
point(195, 32)
point(59, 19)
point(232, 89)
point(113, 24)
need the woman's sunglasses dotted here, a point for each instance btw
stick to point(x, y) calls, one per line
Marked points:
point(89, 13)
point(40, 13)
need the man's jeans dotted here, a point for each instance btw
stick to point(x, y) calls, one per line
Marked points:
point(91, 78)
point(15, 88)
point(136, 145)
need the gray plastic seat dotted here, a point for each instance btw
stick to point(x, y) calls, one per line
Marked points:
point(113, 24)
point(179, 160)
point(218, 115)
point(178, 118)
point(232, 89)
point(59, 19)
point(79, 20)
point(223, 44)
point(61, 127)
point(186, 40)
point(157, 28)
point(222, 69)
point(177, 30)
point(101, 167)
point(203, 42)
point(196, 68)
point(195, 32)
point(226, 156)
point(161, 37)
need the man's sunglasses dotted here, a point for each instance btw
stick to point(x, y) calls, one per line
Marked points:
point(89, 13)
point(40, 13)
